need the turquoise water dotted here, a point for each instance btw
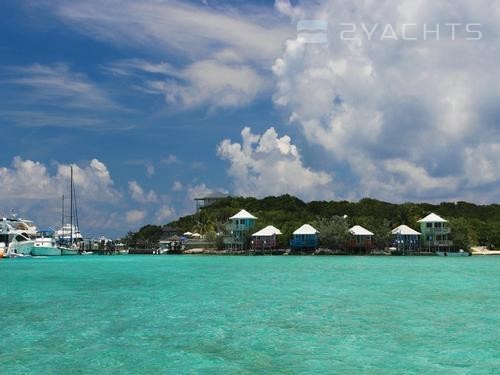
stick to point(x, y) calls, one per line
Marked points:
point(189, 314)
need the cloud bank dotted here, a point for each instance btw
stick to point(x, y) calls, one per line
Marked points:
point(410, 119)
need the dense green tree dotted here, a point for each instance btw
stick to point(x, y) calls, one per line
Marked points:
point(211, 236)
point(463, 233)
point(333, 231)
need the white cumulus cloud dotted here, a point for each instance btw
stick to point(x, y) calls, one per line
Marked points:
point(139, 195)
point(32, 180)
point(164, 213)
point(135, 216)
point(177, 186)
point(269, 165)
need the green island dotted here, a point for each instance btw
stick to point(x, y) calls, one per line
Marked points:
point(470, 225)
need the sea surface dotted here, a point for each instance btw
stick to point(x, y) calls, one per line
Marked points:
point(242, 315)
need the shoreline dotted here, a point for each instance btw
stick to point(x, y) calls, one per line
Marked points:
point(282, 252)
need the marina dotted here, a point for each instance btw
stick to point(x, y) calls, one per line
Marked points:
point(21, 238)
point(18, 240)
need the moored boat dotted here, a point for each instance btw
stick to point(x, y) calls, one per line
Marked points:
point(45, 251)
point(460, 253)
point(23, 247)
point(68, 251)
point(15, 235)
point(70, 238)
point(45, 244)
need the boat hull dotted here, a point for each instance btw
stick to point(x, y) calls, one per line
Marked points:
point(45, 251)
point(69, 251)
point(452, 254)
point(23, 248)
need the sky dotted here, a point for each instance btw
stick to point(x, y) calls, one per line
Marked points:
point(156, 102)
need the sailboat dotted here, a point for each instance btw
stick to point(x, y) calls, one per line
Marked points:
point(69, 234)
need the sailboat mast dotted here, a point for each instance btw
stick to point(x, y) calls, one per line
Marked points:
point(62, 217)
point(76, 209)
point(71, 207)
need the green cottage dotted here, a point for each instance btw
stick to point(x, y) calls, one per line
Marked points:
point(238, 230)
point(435, 233)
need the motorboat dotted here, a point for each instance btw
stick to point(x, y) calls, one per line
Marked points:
point(45, 244)
point(16, 234)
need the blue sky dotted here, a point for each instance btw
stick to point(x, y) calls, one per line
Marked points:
point(156, 102)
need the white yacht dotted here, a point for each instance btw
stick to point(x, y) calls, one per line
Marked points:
point(45, 244)
point(28, 226)
point(18, 236)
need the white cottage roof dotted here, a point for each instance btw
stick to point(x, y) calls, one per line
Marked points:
point(405, 230)
point(358, 230)
point(306, 229)
point(243, 214)
point(433, 218)
point(267, 231)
